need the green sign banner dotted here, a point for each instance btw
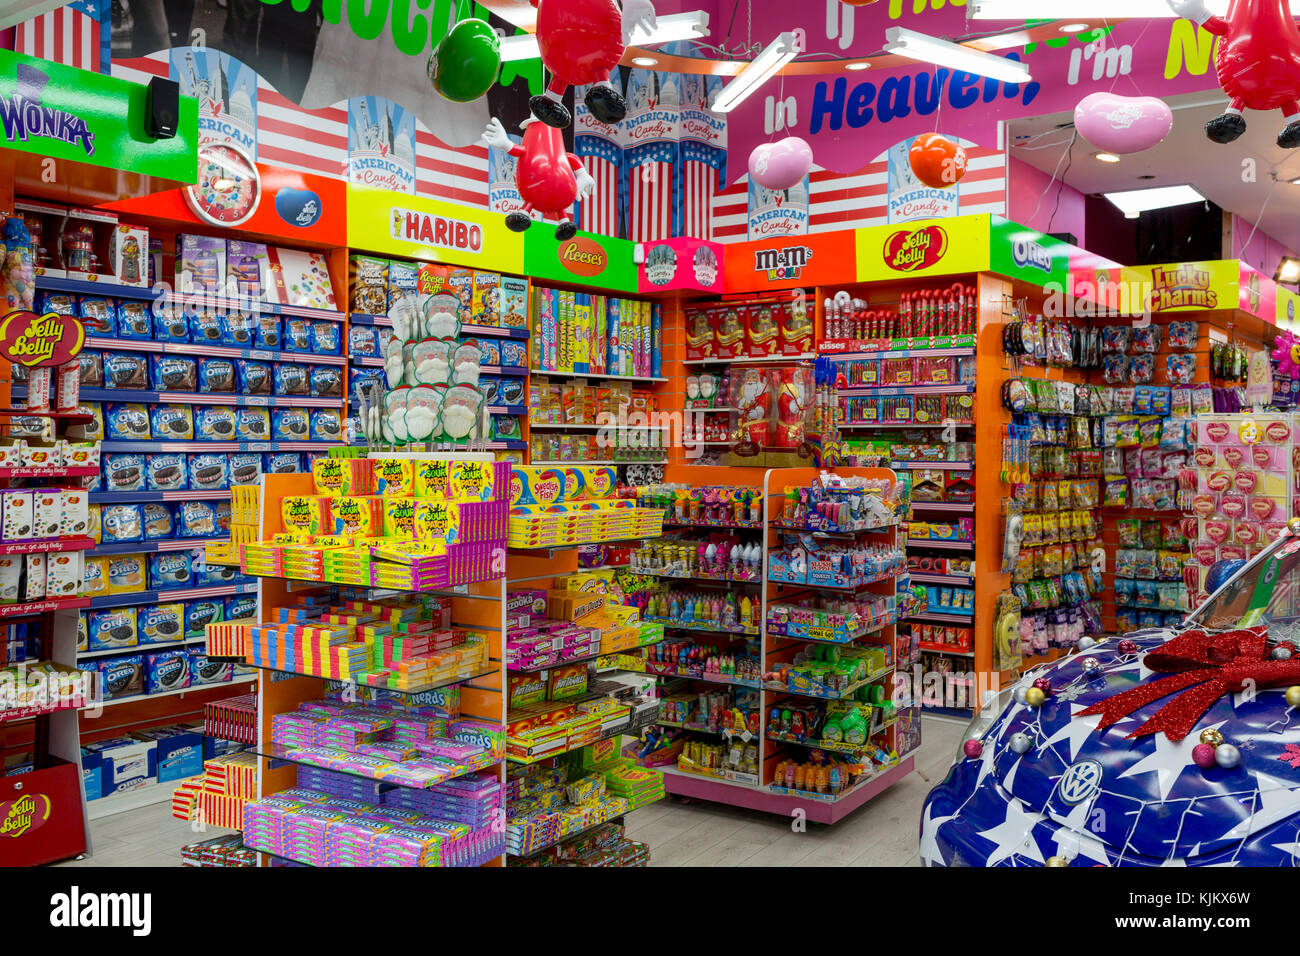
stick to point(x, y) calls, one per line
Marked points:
point(1019, 252)
point(65, 113)
point(601, 262)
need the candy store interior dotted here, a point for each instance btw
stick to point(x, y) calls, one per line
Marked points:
point(532, 434)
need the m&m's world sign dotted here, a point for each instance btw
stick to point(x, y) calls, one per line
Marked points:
point(31, 340)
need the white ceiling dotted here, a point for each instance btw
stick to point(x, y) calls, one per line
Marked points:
point(1185, 156)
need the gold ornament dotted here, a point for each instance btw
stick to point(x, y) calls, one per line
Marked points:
point(1035, 697)
point(1057, 861)
point(1293, 695)
point(1212, 737)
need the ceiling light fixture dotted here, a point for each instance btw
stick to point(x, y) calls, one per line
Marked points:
point(1105, 157)
point(1288, 270)
point(673, 26)
point(857, 66)
point(1078, 9)
point(644, 61)
point(928, 49)
point(1134, 201)
point(1072, 27)
point(763, 67)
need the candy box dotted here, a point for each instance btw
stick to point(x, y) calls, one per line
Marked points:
point(200, 264)
point(302, 278)
point(166, 671)
point(567, 680)
point(33, 578)
point(128, 763)
point(403, 280)
point(47, 512)
point(353, 515)
point(395, 477)
point(17, 521)
point(526, 689)
point(247, 268)
point(112, 629)
point(399, 517)
point(305, 514)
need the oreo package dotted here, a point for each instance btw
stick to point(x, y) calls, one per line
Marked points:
point(363, 380)
point(297, 335)
point(165, 472)
point(290, 424)
point(123, 472)
point(241, 607)
point(223, 516)
point(127, 421)
point(160, 624)
point(133, 321)
point(267, 333)
point(510, 391)
point(170, 569)
point(514, 354)
point(207, 472)
point(326, 424)
point(291, 379)
point(159, 522)
point(204, 670)
point(252, 424)
point(59, 302)
point(91, 369)
point(282, 463)
point(97, 314)
point(214, 423)
point(166, 671)
point(107, 630)
point(363, 341)
point(169, 324)
point(173, 373)
point(245, 469)
point(121, 676)
point(125, 370)
point(174, 422)
point(215, 575)
point(254, 378)
point(238, 330)
point(196, 519)
point(327, 381)
point(205, 328)
point(216, 375)
point(199, 614)
point(121, 523)
point(326, 337)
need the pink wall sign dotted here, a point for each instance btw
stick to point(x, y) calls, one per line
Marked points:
point(845, 117)
point(685, 263)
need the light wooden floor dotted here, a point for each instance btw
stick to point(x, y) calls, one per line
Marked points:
point(882, 833)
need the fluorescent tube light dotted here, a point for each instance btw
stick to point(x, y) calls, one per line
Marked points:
point(1288, 270)
point(673, 26)
point(928, 49)
point(1133, 201)
point(769, 61)
point(1079, 9)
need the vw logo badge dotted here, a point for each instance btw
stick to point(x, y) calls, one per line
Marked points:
point(1080, 781)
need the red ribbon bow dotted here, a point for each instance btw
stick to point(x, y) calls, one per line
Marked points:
point(1211, 665)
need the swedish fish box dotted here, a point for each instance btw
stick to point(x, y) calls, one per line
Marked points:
point(575, 484)
point(394, 477)
point(601, 482)
point(536, 486)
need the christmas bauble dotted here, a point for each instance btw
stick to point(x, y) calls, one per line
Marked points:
point(1203, 756)
point(1092, 667)
point(1211, 736)
point(1293, 695)
point(1020, 743)
point(1035, 697)
point(1127, 646)
point(1227, 756)
point(972, 748)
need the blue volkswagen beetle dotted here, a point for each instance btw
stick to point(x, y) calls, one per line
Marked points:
point(1102, 764)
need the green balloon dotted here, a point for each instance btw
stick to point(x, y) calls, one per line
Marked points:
point(466, 62)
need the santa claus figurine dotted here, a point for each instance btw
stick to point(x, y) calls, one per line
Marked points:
point(753, 403)
point(549, 179)
point(581, 42)
point(796, 394)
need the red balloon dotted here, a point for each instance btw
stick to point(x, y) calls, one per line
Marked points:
point(936, 160)
point(1257, 61)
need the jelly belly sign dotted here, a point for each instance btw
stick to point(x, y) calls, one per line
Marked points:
point(23, 815)
point(32, 340)
point(848, 118)
point(936, 247)
point(419, 228)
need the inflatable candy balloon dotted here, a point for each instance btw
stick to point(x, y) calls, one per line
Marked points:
point(782, 164)
point(1257, 60)
point(1286, 354)
point(936, 160)
point(1123, 124)
point(466, 62)
point(581, 42)
point(548, 177)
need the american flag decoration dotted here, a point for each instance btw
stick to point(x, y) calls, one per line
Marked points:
point(651, 153)
point(597, 144)
point(77, 35)
point(226, 90)
point(503, 189)
point(703, 153)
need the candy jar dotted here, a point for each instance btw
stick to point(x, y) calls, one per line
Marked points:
point(19, 274)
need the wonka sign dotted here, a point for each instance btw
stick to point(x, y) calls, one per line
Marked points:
point(842, 116)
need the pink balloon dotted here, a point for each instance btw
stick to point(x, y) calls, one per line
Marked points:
point(780, 165)
point(1122, 124)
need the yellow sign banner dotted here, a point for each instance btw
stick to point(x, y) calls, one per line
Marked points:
point(416, 227)
point(927, 247)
